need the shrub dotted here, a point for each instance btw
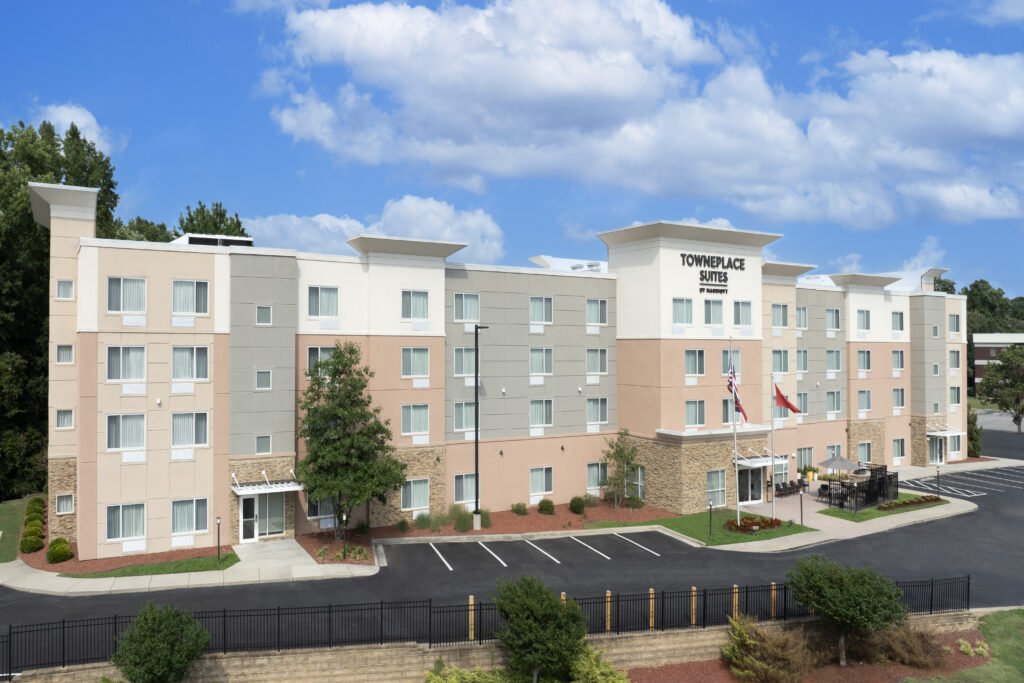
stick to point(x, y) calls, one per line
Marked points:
point(634, 502)
point(576, 505)
point(590, 500)
point(757, 655)
point(909, 502)
point(981, 647)
point(59, 551)
point(462, 518)
point(322, 553)
point(354, 552)
point(901, 644)
point(160, 645)
point(748, 522)
point(435, 522)
point(30, 544)
point(520, 508)
point(590, 667)
point(965, 647)
point(35, 505)
point(403, 525)
point(546, 507)
point(422, 521)
point(34, 517)
point(363, 528)
point(485, 519)
point(34, 529)
point(452, 674)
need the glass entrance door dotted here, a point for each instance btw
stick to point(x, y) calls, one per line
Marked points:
point(936, 450)
point(750, 485)
point(248, 518)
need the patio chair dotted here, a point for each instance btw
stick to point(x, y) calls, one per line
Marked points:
point(823, 492)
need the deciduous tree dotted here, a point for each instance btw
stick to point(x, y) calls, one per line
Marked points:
point(1003, 383)
point(620, 457)
point(160, 646)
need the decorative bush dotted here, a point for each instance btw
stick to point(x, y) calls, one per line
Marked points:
point(34, 529)
point(59, 551)
point(403, 525)
point(34, 517)
point(436, 523)
point(909, 502)
point(30, 544)
point(590, 500)
point(462, 517)
point(322, 553)
point(520, 508)
point(36, 505)
point(485, 519)
point(546, 507)
point(754, 654)
point(160, 646)
point(901, 644)
point(576, 505)
point(634, 502)
point(422, 521)
point(591, 667)
point(748, 522)
point(354, 552)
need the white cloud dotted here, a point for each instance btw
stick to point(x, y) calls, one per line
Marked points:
point(929, 255)
point(965, 202)
point(410, 216)
point(575, 232)
point(280, 5)
point(848, 263)
point(723, 223)
point(1000, 12)
point(63, 115)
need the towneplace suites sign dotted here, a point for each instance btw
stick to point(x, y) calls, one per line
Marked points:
point(714, 270)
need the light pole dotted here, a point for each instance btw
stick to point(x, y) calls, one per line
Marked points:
point(938, 482)
point(218, 540)
point(476, 422)
point(801, 506)
point(709, 521)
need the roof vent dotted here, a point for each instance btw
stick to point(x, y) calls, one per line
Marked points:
point(576, 266)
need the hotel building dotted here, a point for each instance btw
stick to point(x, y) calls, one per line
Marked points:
point(175, 370)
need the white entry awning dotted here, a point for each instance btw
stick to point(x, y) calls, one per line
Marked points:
point(763, 461)
point(249, 488)
point(943, 433)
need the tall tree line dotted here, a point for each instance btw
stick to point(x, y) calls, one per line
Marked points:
point(28, 154)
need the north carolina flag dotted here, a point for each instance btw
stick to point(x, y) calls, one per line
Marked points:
point(782, 401)
point(736, 394)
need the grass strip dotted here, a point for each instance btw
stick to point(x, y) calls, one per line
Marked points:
point(1003, 631)
point(874, 512)
point(192, 564)
point(12, 514)
point(696, 527)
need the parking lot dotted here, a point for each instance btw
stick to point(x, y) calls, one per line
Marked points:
point(970, 484)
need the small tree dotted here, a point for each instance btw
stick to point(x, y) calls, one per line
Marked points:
point(160, 646)
point(1003, 383)
point(853, 600)
point(541, 635)
point(973, 434)
point(620, 458)
point(209, 220)
point(349, 452)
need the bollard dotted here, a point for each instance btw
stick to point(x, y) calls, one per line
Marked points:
point(735, 601)
point(693, 605)
point(650, 593)
point(607, 610)
point(471, 614)
point(773, 600)
point(563, 598)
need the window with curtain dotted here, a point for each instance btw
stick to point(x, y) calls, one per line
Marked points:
point(694, 361)
point(319, 508)
point(898, 448)
point(415, 418)
point(597, 472)
point(780, 361)
point(954, 443)
point(801, 360)
point(465, 488)
point(315, 354)
point(954, 396)
point(65, 289)
point(898, 398)
point(801, 317)
point(954, 322)
point(271, 514)
point(897, 321)
point(414, 305)
point(188, 516)
point(833, 401)
point(831, 318)
point(804, 458)
point(597, 410)
point(935, 370)
point(541, 361)
point(780, 315)
point(126, 431)
point(863, 319)
point(126, 363)
point(729, 414)
point(188, 429)
point(741, 313)
point(262, 380)
point(264, 315)
point(864, 452)
point(597, 311)
point(541, 310)
point(126, 295)
point(712, 312)
point(540, 480)
point(263, 444)
point(323, 302)
point(781, 471)
point(897, 360)
point(65, 354)
point(716, 487)
point(863, 360)
point(864, 399)
point(682, 311)
point(833, 360)
point(465, 416)
point(465, 361)
point(65, 419)
point(736, 357)
point(780, 412)
point(635, 481)
point(695, 413)
point(190, 297)
point(190, 363)
point(802, 402)
point(126, 521)
point(467, 307)
point(65, 503)
point(954, 360)
point(541, 412)
point(597, 361)
point(415, 361)
point(416, 494)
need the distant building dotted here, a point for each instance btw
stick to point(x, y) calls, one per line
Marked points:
point(987, 348)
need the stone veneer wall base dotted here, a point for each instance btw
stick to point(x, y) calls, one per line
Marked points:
point(62, 478)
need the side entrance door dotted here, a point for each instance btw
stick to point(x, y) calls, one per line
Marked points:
point(248, 518)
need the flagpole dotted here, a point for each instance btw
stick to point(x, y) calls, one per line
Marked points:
point(735, 450)
point(771, 413)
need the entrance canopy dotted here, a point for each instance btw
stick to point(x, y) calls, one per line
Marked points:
point(764, 461)
point(247, 488)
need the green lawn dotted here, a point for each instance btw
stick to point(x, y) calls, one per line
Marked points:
point(1003, 632)
point(976, 403)
point(194, 564)
point(872, 513)
point(12, 514)
point(696, 527)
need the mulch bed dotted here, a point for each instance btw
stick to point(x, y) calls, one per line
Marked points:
point(969, 460)
point(312, 543)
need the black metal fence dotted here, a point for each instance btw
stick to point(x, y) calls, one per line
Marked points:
point(881, 486)
point(81, 641)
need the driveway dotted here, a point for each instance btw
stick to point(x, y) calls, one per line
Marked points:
point(999, 437)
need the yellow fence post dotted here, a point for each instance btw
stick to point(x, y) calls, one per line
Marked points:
point(650, 593)
point(563, 598)
point(735, 601)
point(471, 611)
point(693, 605)
point(607, 610)
point(773, 599)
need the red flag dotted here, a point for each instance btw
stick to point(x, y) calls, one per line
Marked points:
point(782, 401)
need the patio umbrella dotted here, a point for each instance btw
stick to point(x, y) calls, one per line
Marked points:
point(837, 463)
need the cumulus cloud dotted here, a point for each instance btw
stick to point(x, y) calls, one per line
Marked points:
point(848, 263)
point(575, 232)
point(410, 216)
point(999, 12)
point(63, 115)
point(929, 255)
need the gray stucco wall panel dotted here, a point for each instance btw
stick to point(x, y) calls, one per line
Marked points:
point(816, 341)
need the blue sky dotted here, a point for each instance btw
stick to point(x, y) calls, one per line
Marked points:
point(873, 135)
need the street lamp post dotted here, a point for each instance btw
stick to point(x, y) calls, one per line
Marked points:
point(938, 482)
point(709, 521)
point(801, 506)
point(476, 422)
point(218, 540)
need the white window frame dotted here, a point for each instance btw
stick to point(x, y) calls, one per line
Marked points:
point(701, 413)
point(954, 323)
point(602, 411)
point(462, 406)
point(602, 467)
point(411, 407)
point(784, 310)
point(121, 506)
point(194, 375)
point(56, 422)
point(835, 450)
point(602, 361)
point(959, 443)
point(120, 360)
point(270, 309)
point(838, 403)
point(270, 446)
point(897, 316)
point(455, 307)
point(256, 380)
point(902, 448)
point(863, 319)
point(56, 358)
point(195, 519)
point(602, 311)
point(935, 331)
point(141, 447)
point(784, 356)
point(955, 393)
point(801, 312)
point(729, 411)
point(935, 370)
point(863, 394)
point(685, 307)
point(803, 402)
point(829, 313)
point(455, 361)
point(742, 313)
point(863, 360)
point(549, 361)
point(861, 449)
point(319, 513)
point(637, 476)
point(412, 353)
point(549, 412)
point(898, 353)
point(698, 361)
point(56, 504)
point(805, 364)
point(549, 474)
point(834, 353)
point(710, 306)
point(195, 298)
point(804, 457)
point(319, 355)
point(548, 305)
point(58, 297)
point(193, 413)
point(410, 482)
point(120, 310)
point(737, 358)
point(954, 359)
point(709, 492)
point(319, 302)
point(901, 393)
point(471, 490)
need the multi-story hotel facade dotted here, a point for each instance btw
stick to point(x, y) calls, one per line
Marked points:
point(175, 371)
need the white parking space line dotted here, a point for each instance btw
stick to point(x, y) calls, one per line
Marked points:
point(553, 558)
point(995, 481)
point(442, 558)
point(988, 485)
point(591, 547)
point(492, 554)
point(638, 545)
point(916, 485)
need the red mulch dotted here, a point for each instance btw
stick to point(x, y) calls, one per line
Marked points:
point(312, 543)
point(970, 460)
point(710, 671)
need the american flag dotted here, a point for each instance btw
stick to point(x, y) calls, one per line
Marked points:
point(734, 390)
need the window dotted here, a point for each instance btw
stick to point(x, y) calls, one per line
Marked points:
point(540, 310)
point(835, 451)
point(831, 318)
point(465, 488)
point(65, 354)
point(323, 302)
point(416, 494)
point(954, 322)
point(190, 363)
point(833, 401)
point(897, 360)
point(935, 331)
point(864, 452)
point(540, 481)
point(781, 471)
point(315, 354)
point(188, 429)
point(863, 360)
point(467, 308)
point(465, 416)
point(635, 478)
point(780, 361)
point(415, 361)
point(801, 317)
point(263, 445)
point(65, 503)
point(262, 380)
point(188, 516)
point(729, 413)
point(264, 315)
point(741, 314)
point(65, 419)
point(694, 361)
point(716, 487)
point(190, 297)
point(465, 361)
point(695, 413)
point(863, 319)
point(801, 360)
point(899, 398)
point(597, 311)
point(897, 321)
point(954, 360)
point(126, 521)
point(780, 315)
point(126, 363)
point(65, 289)
point(736, 357)
point(415, 418)
point(597, 361)
point(935, 408)
point(682, 311)
point(804, 458)
point(954, 443)
point(126, 431)
point(833, 360)
point(780, 412)
point(899, 449)
point(541, 413)
point(126, 295)
point(597, 410)
point(935, 369)
point(954, 396)
point(712, 312)
point(414, 305)
point(540, 361)
point(319, 508)
point(597, 473)
point(802, 402)
point(864, 399)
